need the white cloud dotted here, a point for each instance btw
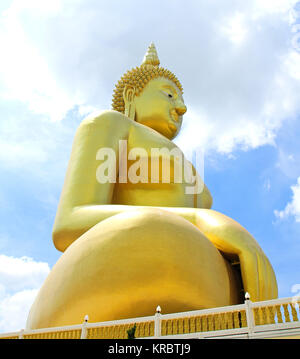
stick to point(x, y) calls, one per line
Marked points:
point(20, 280)
point(14, 310)
point(26, 75)
point(235, 28)
point(289, 162)
point(292, 209)
point(273, 6)
point(21, 273)
point(35, 151)
point(267, 184)
point(235, 60)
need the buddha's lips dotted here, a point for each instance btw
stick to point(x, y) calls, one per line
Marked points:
point(174, 115)
point(172, 127)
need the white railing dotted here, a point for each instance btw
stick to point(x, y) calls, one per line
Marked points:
point(269, 319)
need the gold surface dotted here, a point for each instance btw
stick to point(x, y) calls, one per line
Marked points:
point(129, 247)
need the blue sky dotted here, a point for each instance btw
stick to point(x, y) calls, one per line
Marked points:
point(239, 66)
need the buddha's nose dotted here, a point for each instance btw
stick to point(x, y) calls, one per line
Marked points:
point(180, 108)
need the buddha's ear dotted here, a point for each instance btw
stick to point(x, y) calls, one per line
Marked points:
point(128, 96)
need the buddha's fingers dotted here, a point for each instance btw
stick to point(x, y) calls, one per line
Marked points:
point(273, 288)
point(267, 279)
point(263, 276)
point(250, 276)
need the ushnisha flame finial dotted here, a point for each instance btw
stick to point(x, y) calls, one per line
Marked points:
point(139, 77)
point(151, 57)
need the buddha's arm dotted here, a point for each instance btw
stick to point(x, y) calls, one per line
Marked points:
point(236, 243)
point(232, 239)
point(78, 208)
point(204, 199)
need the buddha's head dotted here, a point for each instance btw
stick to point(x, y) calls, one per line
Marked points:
point(152, 96)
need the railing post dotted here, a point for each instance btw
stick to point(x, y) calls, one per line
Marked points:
point(84, 330)
point(157, 322)
point(21, 335)
point(249, 314)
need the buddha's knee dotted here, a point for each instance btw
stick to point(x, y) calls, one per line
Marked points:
point(127, 265)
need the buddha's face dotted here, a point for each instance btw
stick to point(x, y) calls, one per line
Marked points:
point(160, 106)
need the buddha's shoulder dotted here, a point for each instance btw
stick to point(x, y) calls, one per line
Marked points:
point(116, 123)
point(106, 119)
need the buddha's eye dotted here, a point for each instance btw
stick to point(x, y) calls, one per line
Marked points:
point(167, 93)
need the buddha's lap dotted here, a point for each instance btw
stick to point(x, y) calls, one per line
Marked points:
point(127, 265)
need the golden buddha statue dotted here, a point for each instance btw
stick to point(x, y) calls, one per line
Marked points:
point(130, 246)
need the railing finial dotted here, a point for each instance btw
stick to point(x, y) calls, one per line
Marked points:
point(247, 296)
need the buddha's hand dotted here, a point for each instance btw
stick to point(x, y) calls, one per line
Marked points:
point(231, 238)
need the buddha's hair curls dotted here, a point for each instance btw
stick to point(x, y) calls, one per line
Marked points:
point(138, 78)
